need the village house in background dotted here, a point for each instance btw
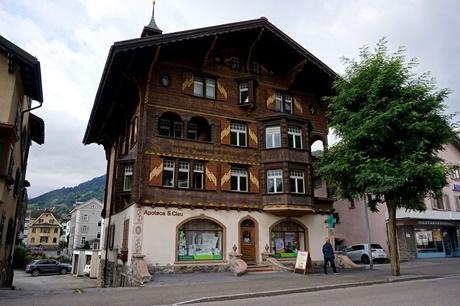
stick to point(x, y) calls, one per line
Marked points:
point(208, 136)
point(430, 234)
point(44, 229)
point(85, 225)
point(20, 85)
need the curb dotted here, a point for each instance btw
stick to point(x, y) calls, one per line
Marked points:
point(307, 289)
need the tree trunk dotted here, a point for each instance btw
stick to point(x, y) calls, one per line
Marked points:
point(394, 252)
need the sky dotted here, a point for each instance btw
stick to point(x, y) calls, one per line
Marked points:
point(72, 38)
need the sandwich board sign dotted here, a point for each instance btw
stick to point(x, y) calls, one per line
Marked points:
point(301, 262)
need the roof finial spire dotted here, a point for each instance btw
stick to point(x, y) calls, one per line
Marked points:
point(151, 28)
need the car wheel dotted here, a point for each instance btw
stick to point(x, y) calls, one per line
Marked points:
point(63, 271)
point(35, 273)
point(365, 259)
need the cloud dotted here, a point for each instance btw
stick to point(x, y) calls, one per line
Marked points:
point(71, 39)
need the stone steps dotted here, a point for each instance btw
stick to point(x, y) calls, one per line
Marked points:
point(259, 269)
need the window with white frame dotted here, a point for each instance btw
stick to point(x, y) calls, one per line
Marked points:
point(235, 62)
point(192, 131)
point(283, 103)
point(295, 137)
point(204, 87)
point(83, 240)
point(455, 173)
point(178, 128)
point(446, 202)
point(457, 202)
point(275, 181)
point(244, 92)
point(98, 235)
point(297, 181)
point(255, 68)
point(168, 173)
point(85, 217)
point(198, 86)
point(198, 176)
point(84, 228)
point(183, 178)
point(128, 178)
point(99, 223)
point(239, 179)
point(164, 128)
point(273, 137)
point(210, 88)
point(238, 133)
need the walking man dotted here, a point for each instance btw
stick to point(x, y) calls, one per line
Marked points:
point(329, 256)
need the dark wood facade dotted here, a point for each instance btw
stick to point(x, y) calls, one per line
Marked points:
point(219, 118)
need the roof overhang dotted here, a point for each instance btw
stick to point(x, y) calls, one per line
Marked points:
point(29, 67)
point(138, 53)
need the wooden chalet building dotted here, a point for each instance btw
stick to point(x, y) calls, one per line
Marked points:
point(208, 136)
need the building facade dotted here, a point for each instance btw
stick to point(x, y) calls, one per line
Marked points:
point(20, 85)
point(430, 234)
point(85, 225)
point(208, 136)
point(44, 229)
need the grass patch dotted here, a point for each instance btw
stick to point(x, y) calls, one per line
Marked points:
point(78, 290)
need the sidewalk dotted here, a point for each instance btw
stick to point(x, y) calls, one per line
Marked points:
point(199, 287)
point(226, 286)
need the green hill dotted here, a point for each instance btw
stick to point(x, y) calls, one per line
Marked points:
point(63, 199)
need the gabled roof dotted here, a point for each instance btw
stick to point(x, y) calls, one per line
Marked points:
point(137, 54)
point(35, 216)
point(87, 203)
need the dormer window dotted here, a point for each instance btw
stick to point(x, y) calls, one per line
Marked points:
point(235, 63)
point(255, 68)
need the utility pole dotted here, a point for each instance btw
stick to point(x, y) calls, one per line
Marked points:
point(371, 262)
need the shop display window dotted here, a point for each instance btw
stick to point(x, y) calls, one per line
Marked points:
point(428, 240)
point(200, 239)
point(287, 239)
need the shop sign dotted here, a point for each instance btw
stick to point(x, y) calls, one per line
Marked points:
point(163, 213)
point(456, 187)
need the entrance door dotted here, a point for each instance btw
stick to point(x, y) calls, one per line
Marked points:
point(248, 243)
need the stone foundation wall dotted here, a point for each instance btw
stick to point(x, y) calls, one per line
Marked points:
point(406, 243)
point(189, 268)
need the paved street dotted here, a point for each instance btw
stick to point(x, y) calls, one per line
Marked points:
point(201, 288)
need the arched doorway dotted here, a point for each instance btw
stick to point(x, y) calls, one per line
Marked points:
point(248, 240)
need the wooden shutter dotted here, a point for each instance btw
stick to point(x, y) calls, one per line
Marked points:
point(211, 177)
point(221, 92)
point(298, 109)
point(253, 139)
point(225, 132)
point(254, 180)
point(156, 171)
point(187, 83)
point(225, 182)
point(271, 99)
point(124, 243)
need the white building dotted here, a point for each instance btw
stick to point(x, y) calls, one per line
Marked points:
point(85, 225)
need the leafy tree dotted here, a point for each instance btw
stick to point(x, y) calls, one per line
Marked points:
point(391, 125)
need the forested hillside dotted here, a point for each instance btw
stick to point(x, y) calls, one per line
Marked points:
point(63, 199)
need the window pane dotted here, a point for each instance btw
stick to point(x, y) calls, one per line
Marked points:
point(244, 93)
point(279, 102)
point(178, 129)
point(210, 88)
point(198, 87)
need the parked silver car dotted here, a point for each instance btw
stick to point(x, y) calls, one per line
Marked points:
point(360, 253)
